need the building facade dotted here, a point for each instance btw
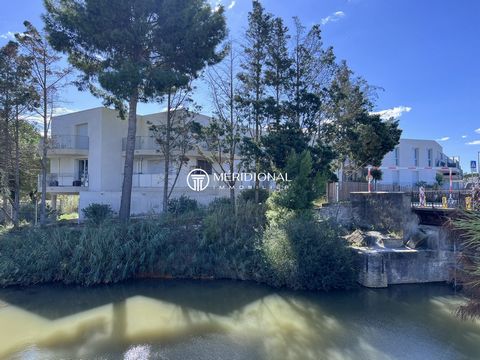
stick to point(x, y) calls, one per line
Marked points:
point(86, 154)
point(415, 161)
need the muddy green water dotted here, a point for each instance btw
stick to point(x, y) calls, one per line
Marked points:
point(232, 320)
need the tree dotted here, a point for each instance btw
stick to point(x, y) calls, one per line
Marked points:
point(252, 78)
point(372, 138)
point(439, 180)
point(354, 133)
point(313, 68)
point(48, 78)
point(377, 175)
point(304, 184)
point(175, 136)
point(16, 96)
point(138, 51)
point(299, 81)
point(278, 71)
point(224, 133)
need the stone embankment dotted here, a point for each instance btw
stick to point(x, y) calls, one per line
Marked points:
point(392, 247)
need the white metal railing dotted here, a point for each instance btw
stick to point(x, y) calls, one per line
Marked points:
point(156, 180)
point(150, 143)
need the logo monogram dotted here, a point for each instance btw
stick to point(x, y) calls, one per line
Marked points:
point(198, 180)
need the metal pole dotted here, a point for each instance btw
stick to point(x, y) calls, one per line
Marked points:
point(369, 178)
point(478, 163)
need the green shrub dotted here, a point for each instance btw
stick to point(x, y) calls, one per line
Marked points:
point(468, 230)
point(220, 242)
point(182, 205)
point(249, 195)
point(97, 213)
point(230, 239)
point(219, 202)
point(302, 253)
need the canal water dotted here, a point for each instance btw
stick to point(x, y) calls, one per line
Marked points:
point(157, 319)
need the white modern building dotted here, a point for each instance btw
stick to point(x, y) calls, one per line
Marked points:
point(87, 154)
point(414, 161)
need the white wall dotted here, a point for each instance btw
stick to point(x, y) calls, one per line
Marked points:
point(406, 159)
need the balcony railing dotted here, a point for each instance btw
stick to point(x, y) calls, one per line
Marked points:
point(63, 180)
point(142, 143)
point(79, 142)
point(150, 143)
point(156, 181)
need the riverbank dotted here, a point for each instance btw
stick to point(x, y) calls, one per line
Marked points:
point(297, 252)
point(233, 319)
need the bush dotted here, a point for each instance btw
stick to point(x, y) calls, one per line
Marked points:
point(97, 213)
point(302, 253)
point(221, 242)
point(468, 230)
point(249, 195)
point(182, 205)
point(230, 238)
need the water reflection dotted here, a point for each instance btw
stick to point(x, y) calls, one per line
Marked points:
point(232, 320)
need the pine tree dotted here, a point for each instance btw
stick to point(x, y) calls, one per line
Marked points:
point(252, 95)
point(135, 51)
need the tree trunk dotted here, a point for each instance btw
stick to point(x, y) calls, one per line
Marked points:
point(124, 213)
point(232, 146)
point(43, 202)
point(167, 155)
point(16, 200)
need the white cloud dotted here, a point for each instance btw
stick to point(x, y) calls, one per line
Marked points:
point(464, 136)
point(8, 35)
point(477, 131)
point(232, 4)
point(475, 142)
point(394, 112)
point(337, 15)
point(445, 138)
point(36, 118)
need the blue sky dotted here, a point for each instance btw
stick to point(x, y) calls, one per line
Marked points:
point(424, 54)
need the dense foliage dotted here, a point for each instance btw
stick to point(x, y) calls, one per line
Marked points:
point(305, 254)
point(97, 213)
point(300, 253)
point(468, 227)
point(182, 205)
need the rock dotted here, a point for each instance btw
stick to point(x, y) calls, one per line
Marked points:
point(357, 238)
point(418, 240)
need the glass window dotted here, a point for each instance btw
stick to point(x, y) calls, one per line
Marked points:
point(204, 165)
point(430, 157)
point(415, 156)
point(396, 156)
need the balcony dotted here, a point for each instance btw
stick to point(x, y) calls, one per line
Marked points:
point(156, 181)
point(144, 145)
point(64, 183)
point(68, 145)
point(148, 145)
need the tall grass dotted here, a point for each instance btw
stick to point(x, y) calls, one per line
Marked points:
point(216, 242)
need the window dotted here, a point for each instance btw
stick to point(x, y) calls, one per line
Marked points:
point(396, 156)
point(415, 177)
point(204, 165)
point(82, 173)
point(415, 156)
point(429, 157)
